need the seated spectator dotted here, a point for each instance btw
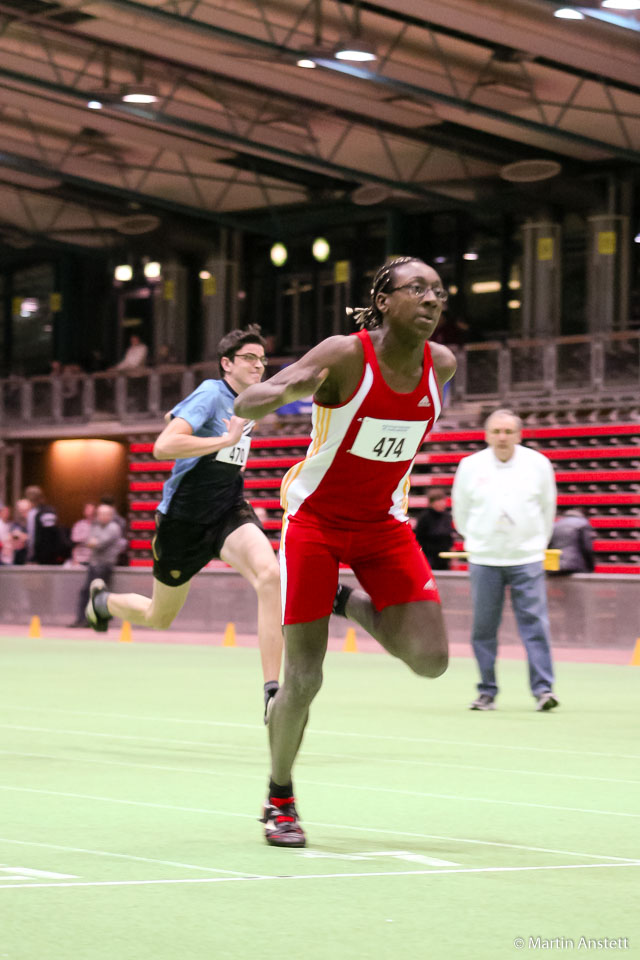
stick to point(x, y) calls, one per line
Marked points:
point(574, 535)
point(136, 355)
point(434, 529)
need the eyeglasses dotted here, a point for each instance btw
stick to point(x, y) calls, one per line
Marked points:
point(419, 290)
point(252, 358)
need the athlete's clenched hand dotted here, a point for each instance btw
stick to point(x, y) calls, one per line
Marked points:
point(235, 426)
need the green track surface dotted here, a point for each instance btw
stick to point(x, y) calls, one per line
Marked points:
point(138, 772)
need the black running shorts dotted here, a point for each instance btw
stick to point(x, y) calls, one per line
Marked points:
point(181, 548)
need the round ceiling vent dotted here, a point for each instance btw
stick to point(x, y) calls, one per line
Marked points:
point(370, 193)
point(138, 223)
point(528, 171)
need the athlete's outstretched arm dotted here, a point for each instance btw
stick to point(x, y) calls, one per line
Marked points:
point(177, 440)
point(317, 373)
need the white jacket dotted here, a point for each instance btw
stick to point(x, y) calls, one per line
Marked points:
point(504, 511)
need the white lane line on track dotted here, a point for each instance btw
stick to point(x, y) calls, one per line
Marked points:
point(433, 796)
point(318, 876)
point(376, 830)
point(421, 836)
point(312, 732)
point(332, 756)
point(209, 745)
point(130, 856)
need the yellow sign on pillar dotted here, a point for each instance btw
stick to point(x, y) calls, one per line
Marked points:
point(545, 248)
point(209, 287)
point(55, 302)
point(168, 292)
point(607, 242)
point(341, 271)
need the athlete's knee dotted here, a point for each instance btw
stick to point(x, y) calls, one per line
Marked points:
point(268, 577)
point(302, 684)
point(430, 663)
point(159, 619)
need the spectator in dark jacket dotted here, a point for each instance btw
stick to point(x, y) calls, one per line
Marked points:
point(574, 535)
point(48, 541)
point(434, 529)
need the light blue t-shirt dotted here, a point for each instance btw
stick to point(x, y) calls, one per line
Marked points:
point(218, 482)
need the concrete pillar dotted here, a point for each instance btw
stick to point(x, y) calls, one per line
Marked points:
point(608, 273)
point(541, 277)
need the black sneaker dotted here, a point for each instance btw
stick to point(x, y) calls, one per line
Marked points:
point(281, 825)
point(97, 620)
point(547, 701)
point(484, 702)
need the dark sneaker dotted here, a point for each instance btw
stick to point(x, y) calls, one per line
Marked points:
point(281, 825)
point(98, 621)
point(484, 702)
point(547, 701)
point(269, 694)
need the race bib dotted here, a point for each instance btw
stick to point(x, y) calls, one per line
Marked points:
point(237, 454)
point(389, 440)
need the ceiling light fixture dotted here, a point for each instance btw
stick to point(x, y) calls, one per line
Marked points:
point(123, 273)
point(139, 94)
point(94, 105)
point(621, 4)
point(470, 255)
point(321, 249)
point(152, 270)
point(568, 13)
point(355, 50)
point(306, 63)
point(278, 254)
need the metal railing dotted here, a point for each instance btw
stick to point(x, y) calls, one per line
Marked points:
point(558, 370)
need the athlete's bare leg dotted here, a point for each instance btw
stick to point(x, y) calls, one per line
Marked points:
point(305, 649)
point(158, 611)
point(413, 632)
point(249, 552)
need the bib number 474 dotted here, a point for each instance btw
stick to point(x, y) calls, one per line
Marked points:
point(389, 447)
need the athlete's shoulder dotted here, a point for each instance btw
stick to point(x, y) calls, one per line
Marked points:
point(444, 361)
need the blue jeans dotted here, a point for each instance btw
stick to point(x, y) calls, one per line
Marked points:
point(529, 602)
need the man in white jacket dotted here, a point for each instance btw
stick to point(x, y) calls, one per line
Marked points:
point(504, 501)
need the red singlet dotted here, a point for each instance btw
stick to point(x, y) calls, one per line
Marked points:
point(346, 502)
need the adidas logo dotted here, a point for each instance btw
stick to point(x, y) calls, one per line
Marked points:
point(425, 402)
point(430, 584)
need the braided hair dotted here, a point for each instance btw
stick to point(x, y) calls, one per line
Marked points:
point(367, 318)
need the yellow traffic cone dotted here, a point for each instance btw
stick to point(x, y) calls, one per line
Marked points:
point(34, 629)
point(229, 639)
point(350, 642)
point(125, 633)
point(635, 656)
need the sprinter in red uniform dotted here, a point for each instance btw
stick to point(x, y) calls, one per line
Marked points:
point(376, 396)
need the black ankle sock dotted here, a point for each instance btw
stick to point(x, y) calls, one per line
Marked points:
point(340, 600)
point(271, 687)
point(279, 792)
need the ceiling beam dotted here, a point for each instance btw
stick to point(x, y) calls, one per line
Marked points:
point(360, 73)
point(234, 141)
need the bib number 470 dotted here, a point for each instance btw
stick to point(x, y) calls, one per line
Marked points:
point(388, 447)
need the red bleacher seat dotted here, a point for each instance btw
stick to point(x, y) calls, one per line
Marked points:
point(597, 469)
